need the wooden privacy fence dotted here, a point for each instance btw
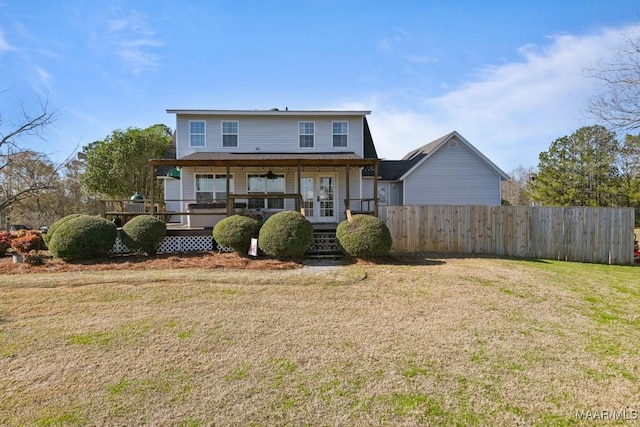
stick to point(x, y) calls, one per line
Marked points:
point(599, 235)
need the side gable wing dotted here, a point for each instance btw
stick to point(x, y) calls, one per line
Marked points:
point(430, 149)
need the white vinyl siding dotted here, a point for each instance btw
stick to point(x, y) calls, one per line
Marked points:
point(197, 133)
point(172, 195)
point(340, 134)
point(307, 134)
point(269, 134)
point(453, 176)
point(392, 190)
point(230, 133)
point(395, 193)
point(367, 187)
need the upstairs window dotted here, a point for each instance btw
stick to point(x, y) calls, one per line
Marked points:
point(196, 133)
point(340, 134)
point(306, 134)
point(229, 133)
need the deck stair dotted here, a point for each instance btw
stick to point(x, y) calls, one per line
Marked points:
point(325, 243)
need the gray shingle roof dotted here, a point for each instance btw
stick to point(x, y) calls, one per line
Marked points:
point(427, 148)
point(369, 147)
point(170, 153)
point(392, 170)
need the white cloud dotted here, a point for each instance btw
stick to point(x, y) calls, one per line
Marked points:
point(5, 46)
point(44, 79)
point(128, 35)
point(388, 43)
point(510, 112)
point(421, 59)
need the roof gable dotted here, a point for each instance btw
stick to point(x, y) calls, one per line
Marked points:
point(429, 149)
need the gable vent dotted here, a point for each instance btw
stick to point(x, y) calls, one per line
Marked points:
point(452, 143)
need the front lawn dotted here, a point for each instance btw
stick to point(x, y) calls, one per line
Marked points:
point(425, 341)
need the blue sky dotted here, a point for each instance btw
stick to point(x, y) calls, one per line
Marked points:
point(508, 75)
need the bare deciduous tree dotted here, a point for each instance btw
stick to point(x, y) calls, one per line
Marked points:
point(618, 103)
point(17, 181)
point(515, 189)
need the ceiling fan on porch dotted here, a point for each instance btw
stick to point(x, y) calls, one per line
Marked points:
point(271, 175)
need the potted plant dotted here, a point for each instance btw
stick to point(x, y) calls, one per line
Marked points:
point(25, 244)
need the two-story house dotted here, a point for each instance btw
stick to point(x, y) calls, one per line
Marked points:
point(270, 160)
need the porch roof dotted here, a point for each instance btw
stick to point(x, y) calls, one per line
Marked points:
point(267, 159)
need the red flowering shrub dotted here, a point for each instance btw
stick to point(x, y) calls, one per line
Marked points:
point(5, 241)
point(27, 243)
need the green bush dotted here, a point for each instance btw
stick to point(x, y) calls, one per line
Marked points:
point(286, 235)
point(47, 236)
point(144, 233)
point(364, 236)
point(236, 232)
point(83, 237)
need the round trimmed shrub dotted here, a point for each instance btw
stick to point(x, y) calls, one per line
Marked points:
point(236, 232)
point(47, 236)
point(365, 236)
point(83, 237)
point(144, 233)
point(286, 235)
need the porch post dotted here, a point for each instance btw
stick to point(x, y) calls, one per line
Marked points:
point(152, 190)
point(375, 189)
point(299, 199)
point(229, 207)
point(347, 203)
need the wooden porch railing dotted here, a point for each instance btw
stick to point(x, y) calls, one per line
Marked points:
point(127, 209)
point(361, 206)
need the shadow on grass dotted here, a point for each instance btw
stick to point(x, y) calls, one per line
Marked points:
point(402, 259)
point(433, 258)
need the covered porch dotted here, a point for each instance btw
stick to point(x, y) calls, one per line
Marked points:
point(307, 180)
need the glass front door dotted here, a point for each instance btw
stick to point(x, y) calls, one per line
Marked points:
point(318, 197)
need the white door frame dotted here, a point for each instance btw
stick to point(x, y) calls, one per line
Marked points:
point(315, 216)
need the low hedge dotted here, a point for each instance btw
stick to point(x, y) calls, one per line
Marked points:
point(286, 235)
point(236, 232)
point(83, 237)
point(144, 233)
point(364, 236)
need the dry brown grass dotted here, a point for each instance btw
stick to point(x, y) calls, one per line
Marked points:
point(413, 341)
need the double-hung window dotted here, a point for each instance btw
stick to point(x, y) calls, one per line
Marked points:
point(306, 131)
point(260, 184)
point(229, 133)
point(196, 133)
point(211, 187)
point(340, 134)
